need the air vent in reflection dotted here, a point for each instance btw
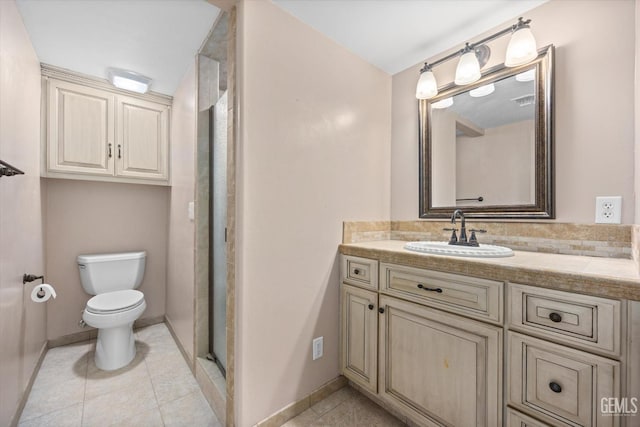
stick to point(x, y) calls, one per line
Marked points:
point(524, 100)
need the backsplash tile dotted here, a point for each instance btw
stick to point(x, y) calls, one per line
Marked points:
point(599, 240)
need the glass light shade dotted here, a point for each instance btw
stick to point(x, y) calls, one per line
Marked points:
point(483, 90)
point(129, 80)
point(468, 70)
point(522, 48)
point(427, 86)
point(445, 103)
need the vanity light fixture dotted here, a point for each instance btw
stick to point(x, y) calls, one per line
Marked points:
point(527, 76)
point(129, 80)
point(521, 50)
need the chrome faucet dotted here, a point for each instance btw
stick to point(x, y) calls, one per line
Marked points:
point(463, 229)
point(462, 240)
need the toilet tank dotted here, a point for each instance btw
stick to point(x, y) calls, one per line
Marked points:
point(100, 273)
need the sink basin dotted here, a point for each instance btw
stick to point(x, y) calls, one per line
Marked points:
point(444, 248)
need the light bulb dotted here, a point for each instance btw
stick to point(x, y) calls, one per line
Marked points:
point(468, 70)
point(427, 86)
point(522, 47)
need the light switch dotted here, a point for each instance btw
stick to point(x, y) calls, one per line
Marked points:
point(192, 211)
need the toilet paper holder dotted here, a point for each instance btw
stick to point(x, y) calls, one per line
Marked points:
point(27, 278)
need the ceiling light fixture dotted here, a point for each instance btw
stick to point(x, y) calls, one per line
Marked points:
point(129, 80)
point(521, 50)
point(482, 91)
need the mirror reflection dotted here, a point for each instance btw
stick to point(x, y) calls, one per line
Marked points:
point(482, 136)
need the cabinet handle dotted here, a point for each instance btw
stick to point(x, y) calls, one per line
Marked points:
point(381, 310)
point(555, 317)
point(110, 155)
point(421, 286)
point(370, 306)
point(356, 271)
point(119, 151)
point(555, 387)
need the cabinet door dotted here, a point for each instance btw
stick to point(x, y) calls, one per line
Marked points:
point(359, 331)
point(80, 129)
point(142, 139)
point(439, 368)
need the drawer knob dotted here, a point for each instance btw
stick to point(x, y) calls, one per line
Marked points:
point(421, 286)
point(555, 317)
point(370, 306)
point(356, 271)
point(555, 387)
point(381, 310)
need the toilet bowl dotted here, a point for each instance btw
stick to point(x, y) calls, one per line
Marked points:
point(112, 278)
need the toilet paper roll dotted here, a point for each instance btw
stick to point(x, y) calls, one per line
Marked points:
point(42, 293)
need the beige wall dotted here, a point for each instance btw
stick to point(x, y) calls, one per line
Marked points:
point(22, 322)
point(313, 151)
point(594, 108)
point(86, 217)
point(180, 265)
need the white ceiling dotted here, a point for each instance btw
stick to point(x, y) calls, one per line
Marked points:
point(397, 34)
point(157, 38)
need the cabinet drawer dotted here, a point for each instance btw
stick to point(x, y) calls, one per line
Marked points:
point(361, 272)
point(558, 384)
point(465, 295)
point(518, 419)
point(584, 321)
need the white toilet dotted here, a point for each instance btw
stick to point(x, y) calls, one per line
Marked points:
point(113, 278)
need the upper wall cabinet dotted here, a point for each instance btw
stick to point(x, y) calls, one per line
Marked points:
point(94, 132)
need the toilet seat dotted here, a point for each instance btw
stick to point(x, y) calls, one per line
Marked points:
point(115, 302)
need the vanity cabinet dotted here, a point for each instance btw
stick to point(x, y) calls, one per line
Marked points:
point(456, 350)
point(94, 133)
point(397, 341)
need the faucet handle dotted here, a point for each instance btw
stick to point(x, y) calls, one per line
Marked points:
point(454, 237)
point(472, 240)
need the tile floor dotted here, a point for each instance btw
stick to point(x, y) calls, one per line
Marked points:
point(345, 408)
point(156, 389)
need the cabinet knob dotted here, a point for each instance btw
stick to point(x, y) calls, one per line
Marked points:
point(423, 287)
point(555, 317)
point(370, 306)
point(555, 387)
point(381, 310)
point(356, 271)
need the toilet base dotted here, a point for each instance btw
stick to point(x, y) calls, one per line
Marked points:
point(115, 348)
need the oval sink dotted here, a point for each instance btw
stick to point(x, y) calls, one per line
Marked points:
point(444, 248)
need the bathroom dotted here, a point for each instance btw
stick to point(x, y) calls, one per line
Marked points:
point(321, 137)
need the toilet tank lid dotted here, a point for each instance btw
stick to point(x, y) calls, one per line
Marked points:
point(121, 256)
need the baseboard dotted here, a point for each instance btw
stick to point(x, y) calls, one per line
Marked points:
point(187, 357)
point(92, 333)
point(298, 407)
point(27, 391)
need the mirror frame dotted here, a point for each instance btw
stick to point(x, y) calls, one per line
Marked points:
point(543, 206)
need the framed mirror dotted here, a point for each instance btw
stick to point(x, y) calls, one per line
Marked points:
point(487, 148)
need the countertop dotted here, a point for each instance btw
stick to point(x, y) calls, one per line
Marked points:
point(606, 277)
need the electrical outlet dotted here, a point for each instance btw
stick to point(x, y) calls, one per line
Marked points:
point(317, 348)
point(608, 210)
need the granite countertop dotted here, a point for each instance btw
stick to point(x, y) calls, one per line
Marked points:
point(606, 277)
